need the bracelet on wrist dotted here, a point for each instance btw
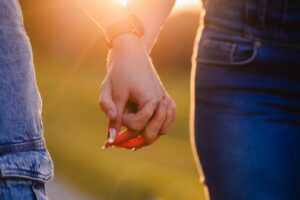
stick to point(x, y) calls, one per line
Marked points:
point(132, 24)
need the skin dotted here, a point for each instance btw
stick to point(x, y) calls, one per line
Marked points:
point(131, 93)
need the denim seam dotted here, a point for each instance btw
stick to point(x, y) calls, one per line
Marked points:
point(253, 37)
point(256, 46)
point(233, 50)
point(246, 15)
point(261, 13)
point(37, 144)
point(11, 172)
point(33, 190)
point(281, 35)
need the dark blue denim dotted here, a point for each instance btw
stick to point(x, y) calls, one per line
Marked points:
point(22, 148)
point(247, 99)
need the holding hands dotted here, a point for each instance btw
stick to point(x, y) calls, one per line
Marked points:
point(133, 96)
point(131, 93)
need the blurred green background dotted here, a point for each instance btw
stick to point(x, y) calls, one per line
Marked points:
point(69, 55)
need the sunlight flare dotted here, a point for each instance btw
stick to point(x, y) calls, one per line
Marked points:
point(179, 3)
point(122, 2)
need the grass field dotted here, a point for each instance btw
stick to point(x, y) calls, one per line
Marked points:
point(75, 132)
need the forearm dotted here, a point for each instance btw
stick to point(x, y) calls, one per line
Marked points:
point(153, 14)
point(103, 12)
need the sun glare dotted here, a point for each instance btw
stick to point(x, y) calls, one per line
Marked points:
point(179, 3)
point(187, 3)
point(123, 2)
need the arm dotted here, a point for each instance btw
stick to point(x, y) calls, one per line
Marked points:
point(152, 13)
point(165, 112)
point(131, 76)
point(103, 12)
point(106, 12)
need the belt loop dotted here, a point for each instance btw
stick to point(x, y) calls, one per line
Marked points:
point(261, 13)
point(255, 12)
point(251, 12)
point(246, 12)
point(282, 38)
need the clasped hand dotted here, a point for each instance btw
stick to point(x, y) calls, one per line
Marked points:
point(133, 96)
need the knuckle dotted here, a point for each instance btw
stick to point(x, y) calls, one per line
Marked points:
point(171, 101)
point(167, 97)
point(153, 105)
point(102, 103)
point(174, 106)
point(149, 137)
point(155, 102)
point(165, 130)
point(102, 100)
point(147, 114)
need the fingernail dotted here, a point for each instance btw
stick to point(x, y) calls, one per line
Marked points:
point(112, 135)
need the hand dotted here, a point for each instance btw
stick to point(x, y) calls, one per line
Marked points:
point(158, 125)
point(131, 79)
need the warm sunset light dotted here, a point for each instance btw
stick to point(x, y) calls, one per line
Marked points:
point(123, 2)
point(186, 3)
point(179, 3)
point(115, 76)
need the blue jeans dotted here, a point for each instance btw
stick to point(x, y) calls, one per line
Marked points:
point(247, 100)
point(22, 189)
point(24, 159)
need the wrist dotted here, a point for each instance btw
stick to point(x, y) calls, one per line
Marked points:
point(127, 41)
point(131, 25)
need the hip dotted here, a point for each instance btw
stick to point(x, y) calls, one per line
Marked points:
point(238, 75)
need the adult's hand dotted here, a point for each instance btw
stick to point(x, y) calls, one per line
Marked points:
point(158, 125)
point(132, 80)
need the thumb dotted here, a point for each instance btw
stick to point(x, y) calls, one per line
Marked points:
point(106, 101)
point(114, 125)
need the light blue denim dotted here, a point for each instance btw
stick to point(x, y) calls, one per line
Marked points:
point(22, 189)
point(22, 148)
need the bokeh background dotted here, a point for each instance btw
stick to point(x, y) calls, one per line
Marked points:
point(69, 54)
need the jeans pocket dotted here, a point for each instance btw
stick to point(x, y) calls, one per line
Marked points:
point(22, 188)
point(39, 190)
point(223, 49)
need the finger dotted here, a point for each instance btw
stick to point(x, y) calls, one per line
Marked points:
point(106, 102)
point(171, 112)
point(173, 107)
point(151, 132)
point(167, 123)
point(125, 136)
point(135, 122)
point(138, 120)
point(172, 104)
point(114, 126)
